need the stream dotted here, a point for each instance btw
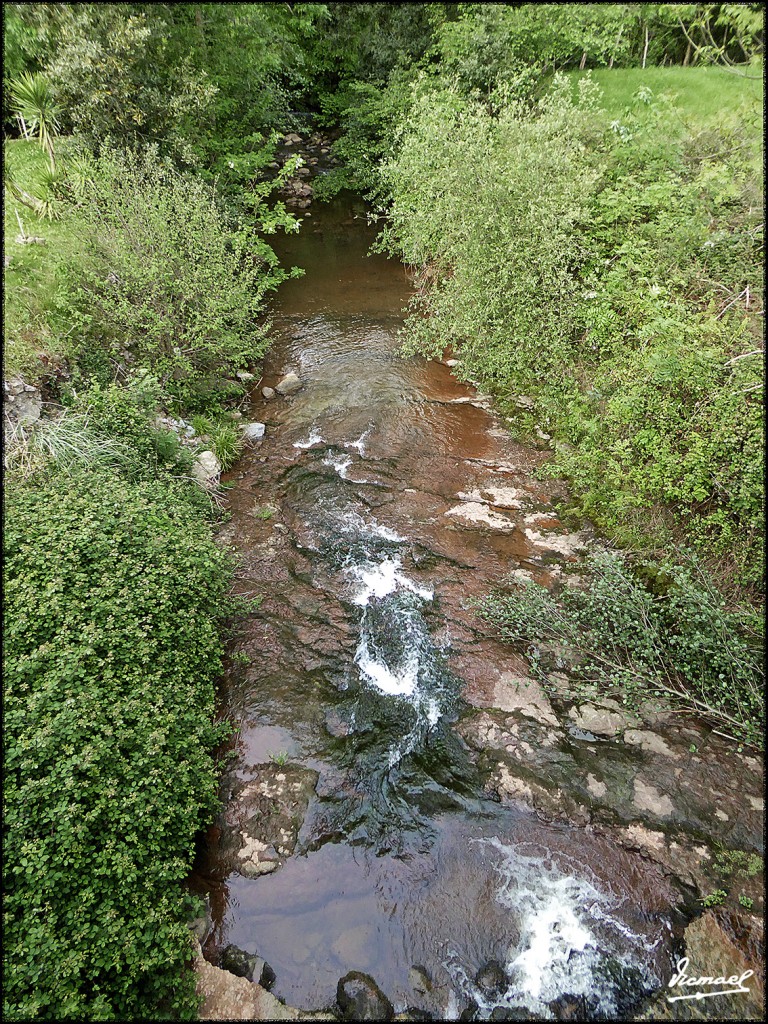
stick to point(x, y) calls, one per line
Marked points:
point(384, 495)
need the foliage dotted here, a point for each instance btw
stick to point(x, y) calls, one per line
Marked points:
point(621, 637)
point(738, 862)
point(33, 100)
point(164, 283)
point(127, 414)
point(112, 592)
point(64, 443)
point(225, 435)
point(614, 273)
point(716, 898)
point(32, 345)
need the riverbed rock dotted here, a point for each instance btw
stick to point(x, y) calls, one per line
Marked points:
point(268, 393)
point(568, 544)
point(661, 805)
point(650, 741)
point(254, 431)
point(264, 816)
point(521, 693)
point(291, 382)
point(712, 950)
point(206, 469)
point(601, 720)
point(247, 965)
point(492, 979)
point(476, 514)
point(360, 998)
point(648, 798)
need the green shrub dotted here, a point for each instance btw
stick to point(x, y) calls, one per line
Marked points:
point(128, 414)
point(112, 593)
point(670, 637)
point(226, 438)
point(613, 272)
point(163, 283)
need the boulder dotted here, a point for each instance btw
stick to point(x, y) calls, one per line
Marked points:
point(492, 979)
point(227, 997)
point(23, 404)
point(254, 431)
point(247, 965)
point(206, 469)
point(360, 998)
point(290, 383)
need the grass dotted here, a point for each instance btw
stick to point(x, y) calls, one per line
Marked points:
point(700, 93)
point(30, 281)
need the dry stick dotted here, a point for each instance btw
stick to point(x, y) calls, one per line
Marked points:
point(754, 352)
point(745, 292)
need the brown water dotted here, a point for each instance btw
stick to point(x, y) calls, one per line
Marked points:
point(361, 659)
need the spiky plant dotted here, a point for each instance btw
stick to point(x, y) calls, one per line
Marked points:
point(32, 99)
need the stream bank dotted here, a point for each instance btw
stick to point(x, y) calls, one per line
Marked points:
point(403, 800)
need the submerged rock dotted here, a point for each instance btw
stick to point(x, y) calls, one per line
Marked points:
point(265, 815)
point(360, 998)
point(291, 382)
point(492, 979)
point(268, 393)
point(419, 980)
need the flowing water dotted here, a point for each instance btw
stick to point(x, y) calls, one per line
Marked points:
point(361, 659)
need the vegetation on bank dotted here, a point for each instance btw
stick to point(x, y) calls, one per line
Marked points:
point(609, 271)
point(597, 251)
point(114, 591)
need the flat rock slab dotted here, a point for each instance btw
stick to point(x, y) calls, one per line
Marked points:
point(651, 791)
point(264, 816)
point(475, 513)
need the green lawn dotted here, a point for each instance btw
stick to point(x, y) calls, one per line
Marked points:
point(30, 280)
point(702, 93)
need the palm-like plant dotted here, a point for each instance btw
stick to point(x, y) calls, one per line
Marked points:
point(33, 100)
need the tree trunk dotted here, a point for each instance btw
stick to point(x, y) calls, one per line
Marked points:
point(583, 61)
point(645, 51)
point(687, 57)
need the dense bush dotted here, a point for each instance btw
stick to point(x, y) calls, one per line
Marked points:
point(164, 283)
point(613, 272)
point(112, 592)
point(642, 631)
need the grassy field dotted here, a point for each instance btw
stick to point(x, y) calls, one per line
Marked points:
point(702, 93)
point(30, 281)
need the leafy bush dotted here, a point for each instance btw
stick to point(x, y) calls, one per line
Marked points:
point(674, 639)
point(112, 594)
point(226, 438)
point(613, 272)
point(127, 414)
point(164, 283)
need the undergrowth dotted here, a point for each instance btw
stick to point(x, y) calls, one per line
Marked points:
point(641, 631)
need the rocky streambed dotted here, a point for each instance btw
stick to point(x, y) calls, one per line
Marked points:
point(413, 827)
